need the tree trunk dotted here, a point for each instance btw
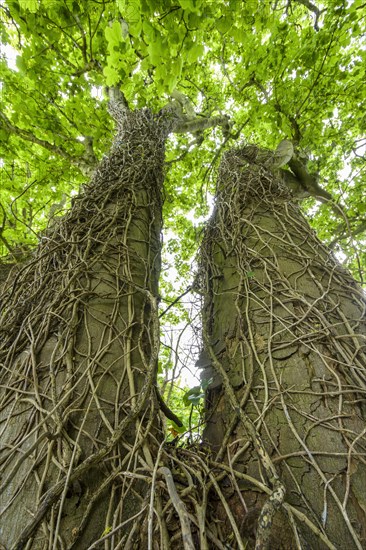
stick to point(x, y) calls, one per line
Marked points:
point(82, 459)
point(79, 345)
point(284, 336)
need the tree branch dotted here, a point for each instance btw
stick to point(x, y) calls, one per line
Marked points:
point(309, 182)
point(184, 125)
point(311, 7)
point(346, 233)
point(83, 163)
point(181, 110)
point(179, 508)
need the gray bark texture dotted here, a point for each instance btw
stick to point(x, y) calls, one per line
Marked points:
point(79, 344)
point(284, 346)
point(83, 460)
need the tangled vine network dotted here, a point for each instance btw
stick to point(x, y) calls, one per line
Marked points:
point(78, 355)
point(284, 332)
point(84, 461)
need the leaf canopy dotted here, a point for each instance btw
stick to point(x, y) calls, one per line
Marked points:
point(279, 70)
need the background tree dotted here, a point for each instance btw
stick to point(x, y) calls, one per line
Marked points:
point(281, 70)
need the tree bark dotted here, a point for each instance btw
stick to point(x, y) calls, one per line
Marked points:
point(79, 417)
point(83, 460)
point(284, 342)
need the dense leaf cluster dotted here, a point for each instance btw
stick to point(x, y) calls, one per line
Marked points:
point(278, 69)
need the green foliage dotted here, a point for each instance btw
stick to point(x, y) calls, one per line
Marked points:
point(193, 396)
point(187, 404)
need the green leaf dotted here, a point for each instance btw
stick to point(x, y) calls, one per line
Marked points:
point(122, 6)
point(195, 53)
point(20, 63)
point(224, 24)
point(187, 5)
point(171, 83)
point(112, 75)
point(4, 134)
point(129, 89)
point(113, 34)
point(135, 27)
point(156, 50)
point(195, 399)
point(205, 383)
point(193, 396)
point(148, 30)
point(30, 5)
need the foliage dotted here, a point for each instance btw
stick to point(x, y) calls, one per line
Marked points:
point(188, 403)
